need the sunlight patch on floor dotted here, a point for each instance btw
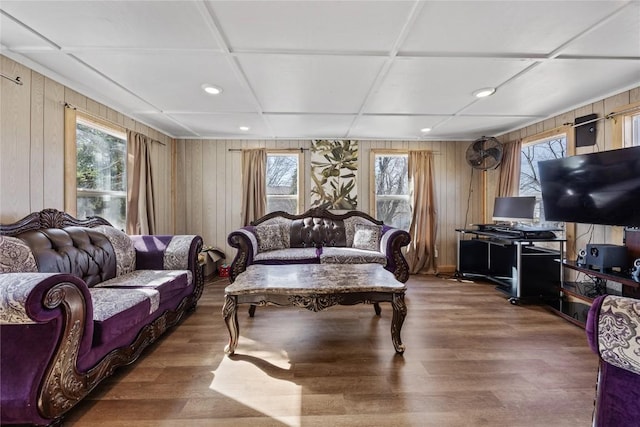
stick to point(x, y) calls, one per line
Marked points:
point(260, 379)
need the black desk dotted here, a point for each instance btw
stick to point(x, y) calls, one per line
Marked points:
point(521, 269)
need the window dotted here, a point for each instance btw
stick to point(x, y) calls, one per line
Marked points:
point(530, 155)
point(101, 180)
point(391, 199)
point(283, 184)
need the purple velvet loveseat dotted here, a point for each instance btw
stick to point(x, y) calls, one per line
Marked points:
point(78, 298)
point(319, 236)
point(613, 333)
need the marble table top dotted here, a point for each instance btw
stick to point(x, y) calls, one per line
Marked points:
point(297, 279)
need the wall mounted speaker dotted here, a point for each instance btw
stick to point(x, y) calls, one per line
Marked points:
point(635, 270)
point(581, 261)
point(585, 134)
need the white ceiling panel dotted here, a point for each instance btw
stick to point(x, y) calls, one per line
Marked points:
point(375, 69)
point(66, 70)
point(173, 82)
point(223, 125)
point(618, 36)
point(391, 127)
point(467, 127)
point(15, 36)
point(502, 27)
point(311, 84)
point(439, 86)
point(325, 26)
point(108, 24)
point(310, 126)
point(550, 86)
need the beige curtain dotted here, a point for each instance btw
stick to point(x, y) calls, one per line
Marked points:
point(423, 221)
point(141, 218)
point(509, 178)
point(254, 187)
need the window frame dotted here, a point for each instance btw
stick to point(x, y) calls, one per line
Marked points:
point(623, 126)
point(71, 191)
point(299, 153)
point(373, 196)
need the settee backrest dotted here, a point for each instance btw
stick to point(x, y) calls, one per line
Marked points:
point(83, 252)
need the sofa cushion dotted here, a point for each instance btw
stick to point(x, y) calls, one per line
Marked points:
point(351, 256)
point(350, 227)
point(167, 283)
point(285, 225)
point(288, 255)
point(122, 246)
point(116, 311)
point(16, 256)
point(367, 237)
point(270, 237)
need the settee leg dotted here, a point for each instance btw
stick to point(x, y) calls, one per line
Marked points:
point(376, 307)
point(252, 310)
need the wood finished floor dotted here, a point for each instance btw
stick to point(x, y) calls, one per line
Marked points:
point(472, 359)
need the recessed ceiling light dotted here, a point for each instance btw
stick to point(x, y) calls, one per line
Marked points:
point(211, 89)
point(244, 128)
point(484, 92)
point(425, 130)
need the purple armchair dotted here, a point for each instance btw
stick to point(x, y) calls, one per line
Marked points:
point(613, 332)
point(79, 298)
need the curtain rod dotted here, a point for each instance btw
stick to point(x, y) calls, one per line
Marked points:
point(607, 117)
point(83, 111)
point(16, 80)
point(270, 149)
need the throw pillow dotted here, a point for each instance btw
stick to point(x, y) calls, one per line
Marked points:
point(270, 237)
point(123, 247)
point(16, 256)
point(367, 237)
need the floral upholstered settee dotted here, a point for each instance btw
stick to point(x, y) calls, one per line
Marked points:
point(78, 298)
point(613, 333)
point(319, 236)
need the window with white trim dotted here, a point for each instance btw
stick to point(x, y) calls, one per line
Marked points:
point(101, 179)
point(532, 153)
point(283, 182)
point(392, 203)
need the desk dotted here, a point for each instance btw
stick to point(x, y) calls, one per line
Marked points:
point(521, 269)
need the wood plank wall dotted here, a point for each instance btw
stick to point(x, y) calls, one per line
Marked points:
point(32, 145)
point(210, 175)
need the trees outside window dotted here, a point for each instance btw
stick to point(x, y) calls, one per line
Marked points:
point(391, 182)
point(101, 180)
point(530, 155)
point(283, 187)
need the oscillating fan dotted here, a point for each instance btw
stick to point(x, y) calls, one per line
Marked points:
point(484, 153)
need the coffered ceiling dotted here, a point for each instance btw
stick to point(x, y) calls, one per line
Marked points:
point(331, 69)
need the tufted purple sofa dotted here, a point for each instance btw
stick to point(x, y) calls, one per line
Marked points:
point(79, 298)
point(319, 236)
point(613, 333)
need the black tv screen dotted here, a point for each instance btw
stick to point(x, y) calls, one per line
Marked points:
point(596, 188)
point(513, 208)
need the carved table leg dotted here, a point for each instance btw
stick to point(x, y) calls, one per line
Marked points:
point(399, 313)
point(252, 310)
point(230, 314)
point(376, 307)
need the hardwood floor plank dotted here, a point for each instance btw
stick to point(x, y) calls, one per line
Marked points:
point(472, 359)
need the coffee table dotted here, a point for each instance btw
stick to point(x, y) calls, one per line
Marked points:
point(315, 287)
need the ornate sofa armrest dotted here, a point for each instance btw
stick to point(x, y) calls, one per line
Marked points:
point(46, 322)
point(391, 244)
point(245, 241)
point(171, 252)
point(613, 333)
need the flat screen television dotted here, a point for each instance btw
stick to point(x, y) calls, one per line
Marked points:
point(596, 188)
point(514, 208)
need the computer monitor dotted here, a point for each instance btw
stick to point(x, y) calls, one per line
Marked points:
point(514, 209)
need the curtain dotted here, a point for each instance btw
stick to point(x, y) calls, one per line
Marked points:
point(141, 217)
point(509, 178)
point(254, 187)
point(423, 219)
